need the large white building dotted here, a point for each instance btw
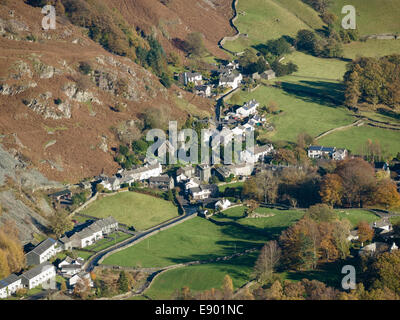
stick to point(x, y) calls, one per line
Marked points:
point(44, 272)
point(10, 285)
point(43, 252)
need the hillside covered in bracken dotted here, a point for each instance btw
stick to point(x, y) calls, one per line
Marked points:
point(62, 118)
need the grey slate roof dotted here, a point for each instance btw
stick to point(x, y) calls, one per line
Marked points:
point(30, 274)
point(43, 246)
point(9, 280)
point(60, 193)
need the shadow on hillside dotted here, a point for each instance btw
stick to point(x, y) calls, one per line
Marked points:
point(322, 92)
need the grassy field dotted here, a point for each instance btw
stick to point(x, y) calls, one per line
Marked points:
point(131, 208)
point(196, 239)
point(301, 112)
point(356, 137)
point(357, 215)
point(373, 16)
point(231, 185)
point(263, 20)
point(371, 48)
point(202, 277)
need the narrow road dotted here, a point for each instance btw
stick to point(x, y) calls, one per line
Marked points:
point(93, 261)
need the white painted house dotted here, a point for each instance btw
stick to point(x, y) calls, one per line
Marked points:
point(43, 252)
point(222, 204)
point(258, 155)
point(249, 108)
point(37, 276)
point(230, 80)
point(10, 285)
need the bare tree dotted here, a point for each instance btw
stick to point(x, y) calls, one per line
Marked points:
point(267, 261)
point(267, 184)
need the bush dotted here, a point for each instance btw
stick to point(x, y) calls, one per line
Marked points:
point(85, 67)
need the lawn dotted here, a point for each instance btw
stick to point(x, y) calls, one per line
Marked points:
point(202, 277)
point(131, 208)
point(195, 239)
point(356, 137)
point(231, 185)
point(357, 215)
point(263, 20)
point(373, 16)
point(301, 111)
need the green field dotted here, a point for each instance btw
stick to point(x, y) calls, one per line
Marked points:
point(371, 48)
point(196, 239)
point(356, 137)
point(230, 185)
point(270, 19)
point(357, 215)
point(301, 112)
point(131, 208)
point(372, 16)
point(202, 277)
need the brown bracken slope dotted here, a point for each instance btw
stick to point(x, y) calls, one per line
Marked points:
point(62, 122)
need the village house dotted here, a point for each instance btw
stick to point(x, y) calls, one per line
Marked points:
point(163, 182)
point(249, 108)
point(10, 285)
point(203, 91)
point(203, 192)
point(111, 183)
point(241, 169)
point(258, 155)
point(141, 173)
point(339, 154)
point(70, 267)
point(222, 204)
point(318, 152)
point(203, 171)
point(268, 74)
point(80, 277)
point(192, 183)
point(230, 80)
point(61, 195)
point(43, 252)
point(184, 173)
point(191, 77)
point(37, 276)
point(89, 235)
point(353, 235)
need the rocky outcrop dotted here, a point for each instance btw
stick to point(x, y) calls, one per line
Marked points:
point(14, 89)
point(45, 106)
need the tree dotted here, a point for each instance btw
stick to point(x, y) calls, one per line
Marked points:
point(60, 223)
point(268, 186)
point(365, 232)
point(358, 180)
point(63, 286)
point(387, 271)
point(123, 284)
point(331, 189)
point(267, 261)
point(340, 232)
point(227, 288)
point(321, 213)
point(386, 194)
point(250, 189)
point(306, 40)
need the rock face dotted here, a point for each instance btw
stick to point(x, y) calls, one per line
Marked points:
point(44, 105)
